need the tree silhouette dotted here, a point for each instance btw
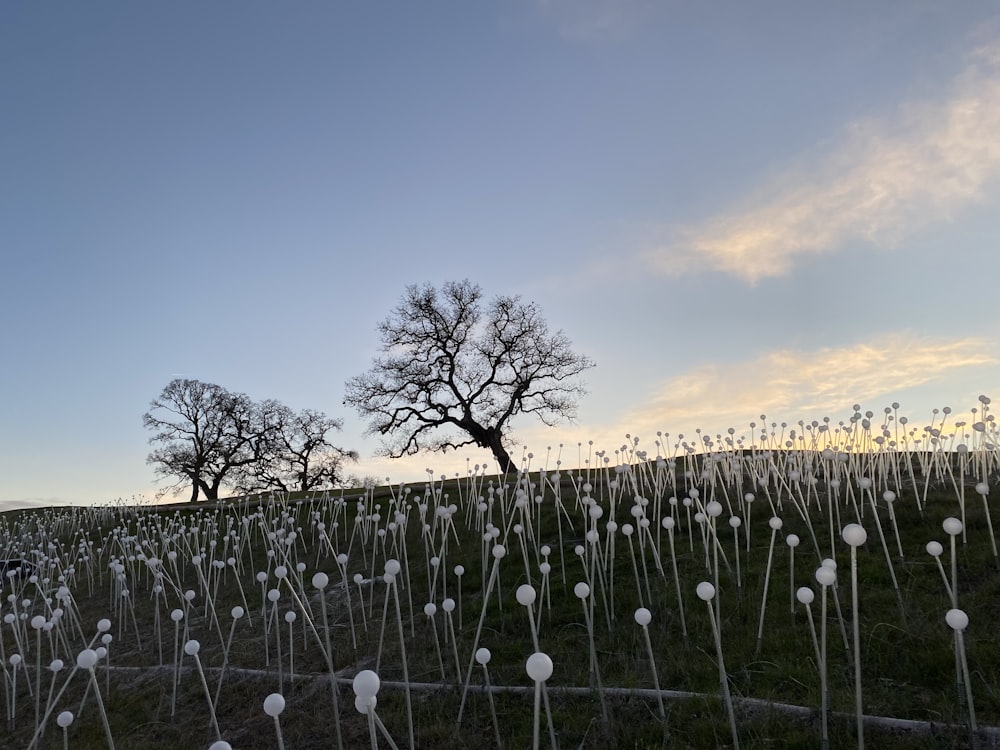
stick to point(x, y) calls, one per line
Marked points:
point(295, 453)
point(206, 433)
point(212, 438)
point(454, 372)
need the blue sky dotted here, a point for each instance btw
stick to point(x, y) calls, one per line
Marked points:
point(734, 208)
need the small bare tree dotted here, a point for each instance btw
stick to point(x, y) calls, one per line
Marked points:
point(295, 452)
point(452, 373)
point(205, 433)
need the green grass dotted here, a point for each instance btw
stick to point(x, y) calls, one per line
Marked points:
point(907, 655)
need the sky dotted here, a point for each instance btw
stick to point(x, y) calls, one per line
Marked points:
point(734, 209)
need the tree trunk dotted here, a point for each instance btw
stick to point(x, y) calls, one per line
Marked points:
point(194, 491)
point(500, 453)
point(490, 437)
point(212, 493)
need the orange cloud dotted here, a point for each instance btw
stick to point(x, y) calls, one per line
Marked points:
point(785, 385)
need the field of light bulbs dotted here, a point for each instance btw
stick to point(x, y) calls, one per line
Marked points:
point(816, 587)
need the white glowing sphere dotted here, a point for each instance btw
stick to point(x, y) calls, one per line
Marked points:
point(280, 572)
point(714, 509)
point(735, 521)
point(104, 625)
point(775, 523)
point(192, 647)
point(805, 595)
point(525, 594)
point(539, 667)
point(957, 619)
point(934, 549)
point(952, 526)
point(320, 580)
point(448, 605)
point(643, 616)
point(705, 591)
point(392, 567)
point(483, 656)
point(86, 659)
point(430, 609)
point(64, 719)
point(792, 540)
point(366, 683)
point(826, 576)
point(274, 704)
point(499, 551)
point(854, 535)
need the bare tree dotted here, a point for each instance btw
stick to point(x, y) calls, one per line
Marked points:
point(451, 373)
point(295, 452)
point(205, 432)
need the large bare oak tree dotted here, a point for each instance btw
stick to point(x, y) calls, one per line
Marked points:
point(204, 434)
point(453, 371)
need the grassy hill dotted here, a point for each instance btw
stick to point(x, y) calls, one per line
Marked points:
point(134, 566)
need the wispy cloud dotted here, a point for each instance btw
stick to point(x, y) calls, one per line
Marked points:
point(887, 179)
point(787, 385)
